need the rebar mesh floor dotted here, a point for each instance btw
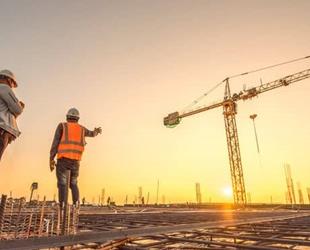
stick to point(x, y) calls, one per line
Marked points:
point(173, 229)
point(284, 234)
point(108, 222)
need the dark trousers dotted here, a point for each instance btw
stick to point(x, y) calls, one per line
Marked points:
point(62, 166)
point(5, 139)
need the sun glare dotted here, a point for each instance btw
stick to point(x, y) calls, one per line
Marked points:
point(227, 191)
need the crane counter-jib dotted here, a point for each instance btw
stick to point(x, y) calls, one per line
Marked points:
point(174, 118)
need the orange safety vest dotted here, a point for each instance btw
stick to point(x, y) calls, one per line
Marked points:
point(72, 141)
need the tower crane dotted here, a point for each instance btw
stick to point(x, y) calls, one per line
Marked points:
point(229, 105)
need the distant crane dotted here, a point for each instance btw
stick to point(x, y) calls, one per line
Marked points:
point(34, 186)
point(229, 105)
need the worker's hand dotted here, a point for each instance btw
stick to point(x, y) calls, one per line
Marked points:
point(97, 131)
point(52, 165)
point(22, 104)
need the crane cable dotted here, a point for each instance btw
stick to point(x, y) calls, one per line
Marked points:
point(270, 66)
point(238, 75)
point(202, 96)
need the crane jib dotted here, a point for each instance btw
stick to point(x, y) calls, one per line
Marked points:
point(174, 119)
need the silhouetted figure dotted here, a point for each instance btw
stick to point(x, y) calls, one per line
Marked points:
point(68, 145)
point(108, 201)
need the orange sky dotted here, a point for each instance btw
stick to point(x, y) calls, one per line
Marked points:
point(127, 64)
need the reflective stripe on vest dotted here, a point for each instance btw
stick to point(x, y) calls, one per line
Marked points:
point(72, 141)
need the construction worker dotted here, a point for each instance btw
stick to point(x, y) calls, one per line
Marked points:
point(68, 145)
point(10, 109)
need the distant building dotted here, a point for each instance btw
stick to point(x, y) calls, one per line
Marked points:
point(140, 195)
point(198, 193)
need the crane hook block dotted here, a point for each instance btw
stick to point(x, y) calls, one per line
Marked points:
point(172, 120)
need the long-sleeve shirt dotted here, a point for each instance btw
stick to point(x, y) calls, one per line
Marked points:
point(10, 108)
point(57, 139)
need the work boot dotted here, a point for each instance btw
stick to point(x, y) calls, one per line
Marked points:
point(76, 205)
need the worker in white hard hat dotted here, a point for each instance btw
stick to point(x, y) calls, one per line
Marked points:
point(68, 145)
point(10, 109)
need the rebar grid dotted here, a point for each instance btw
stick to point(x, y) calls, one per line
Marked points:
point(20, 220)
point(215, 229)
point(285, 234)
point(108, 222)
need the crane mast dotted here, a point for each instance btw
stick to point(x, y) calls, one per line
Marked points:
point(230, 111)
point(234, 155)
point(229, 105)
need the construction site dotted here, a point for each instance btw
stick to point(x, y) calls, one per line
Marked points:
point(42, 224)
point(228, 171)
point(204, 226)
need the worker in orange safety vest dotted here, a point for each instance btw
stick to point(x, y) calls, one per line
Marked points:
point(68, 145)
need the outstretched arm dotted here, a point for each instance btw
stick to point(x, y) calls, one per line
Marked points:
point(95, 132)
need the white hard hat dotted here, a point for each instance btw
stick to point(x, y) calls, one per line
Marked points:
point(9, 74)
point(74, 113)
